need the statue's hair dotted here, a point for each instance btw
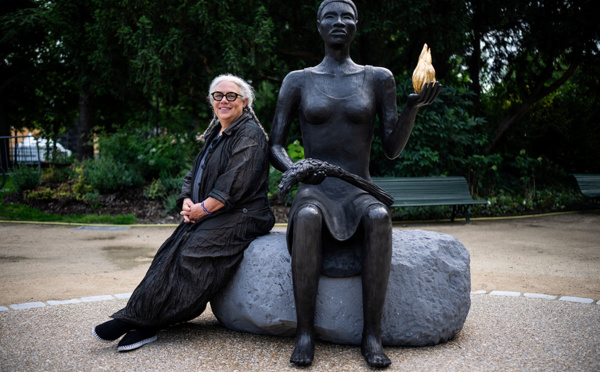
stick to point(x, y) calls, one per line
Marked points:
point(327, 2)
point(246, 93)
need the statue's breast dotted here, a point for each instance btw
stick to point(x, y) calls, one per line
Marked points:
point(331, 99)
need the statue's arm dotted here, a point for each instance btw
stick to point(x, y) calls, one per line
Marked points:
point(287, 107)
point(395, 129)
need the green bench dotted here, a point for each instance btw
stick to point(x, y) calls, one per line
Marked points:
point(429, 191)
point(589, 185)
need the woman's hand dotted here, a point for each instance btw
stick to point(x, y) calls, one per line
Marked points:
point(426, 97)
point(186, 209)
point(193, 212)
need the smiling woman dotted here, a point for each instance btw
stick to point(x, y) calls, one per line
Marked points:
point(224, 206)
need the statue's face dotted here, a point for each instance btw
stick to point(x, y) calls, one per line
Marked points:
point(337, 24)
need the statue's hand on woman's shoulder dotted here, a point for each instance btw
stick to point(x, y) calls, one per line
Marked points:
point(426, 97)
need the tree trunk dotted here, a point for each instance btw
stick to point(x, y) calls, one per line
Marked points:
point(539, 93)
point(507, 122)
point(85, 125)
point(475, 63)
point(475, 70)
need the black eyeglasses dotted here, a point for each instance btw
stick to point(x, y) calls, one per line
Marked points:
point(231, 96)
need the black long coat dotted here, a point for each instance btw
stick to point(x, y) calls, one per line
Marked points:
point(198, 259)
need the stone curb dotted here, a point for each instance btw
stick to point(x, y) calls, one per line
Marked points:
point(30, 305)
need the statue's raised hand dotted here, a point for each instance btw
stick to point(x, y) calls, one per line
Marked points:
point(427, 96)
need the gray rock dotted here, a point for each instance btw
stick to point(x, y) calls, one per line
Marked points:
point(427, 301)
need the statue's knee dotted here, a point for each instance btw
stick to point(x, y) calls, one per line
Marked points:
point(378, 214)
point(308, 214)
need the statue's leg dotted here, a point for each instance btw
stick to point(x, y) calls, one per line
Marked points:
point(306, 269)
point(377, 257)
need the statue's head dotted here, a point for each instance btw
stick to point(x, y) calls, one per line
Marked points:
point(326, 2)
point(336, 21)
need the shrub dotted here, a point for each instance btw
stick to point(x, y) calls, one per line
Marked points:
point(25, 178)
point(155, 190)
point(40, 193)
point(149, 154)
point(172, 184)
point(57, 174)
point(170, 203)
point(444, 137)
point(44, 193)
point(81, 186)
point(107, 175)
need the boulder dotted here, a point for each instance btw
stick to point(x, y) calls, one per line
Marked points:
point(427, 300)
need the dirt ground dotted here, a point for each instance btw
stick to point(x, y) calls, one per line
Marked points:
point(553, 254)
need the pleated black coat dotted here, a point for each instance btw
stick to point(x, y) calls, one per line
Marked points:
point(199, 259)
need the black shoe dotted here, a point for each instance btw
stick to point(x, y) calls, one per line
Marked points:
point(111, 330)
point(137, 338)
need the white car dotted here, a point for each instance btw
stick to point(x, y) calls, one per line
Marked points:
point(33, 150)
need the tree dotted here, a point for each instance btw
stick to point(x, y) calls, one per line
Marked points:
point(533, 48)
point(70, 23)
point(22, 37)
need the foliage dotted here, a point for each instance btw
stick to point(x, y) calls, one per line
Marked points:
point(296, 152)
point(501, 204)
point(147, 153)
point(8, 188)
point(42, 192)
point(16, 212)
point(56, 174)
point(82, 190)
point(563, 127)
point(107, 175)
point(534, 48)
point(25, 178)
point(165, 188)
point(546, 200)
point(443, 141)
point(155, 190)
point(133, 157)
point(22, 47)
point(170, 203)
point(484, 173)
point(516, 75)
point(527, 168)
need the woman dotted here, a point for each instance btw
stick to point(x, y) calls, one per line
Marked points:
point(224, 206)
point(336, 228)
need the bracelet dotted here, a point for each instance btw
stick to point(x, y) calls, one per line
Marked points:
point(204, 209)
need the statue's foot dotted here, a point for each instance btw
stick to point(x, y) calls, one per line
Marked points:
point(304, 352)
point(372, 350)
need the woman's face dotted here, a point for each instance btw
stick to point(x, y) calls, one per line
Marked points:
point(337, 24)
point(228, 111)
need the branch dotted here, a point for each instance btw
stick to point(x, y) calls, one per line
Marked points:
point(524, 108)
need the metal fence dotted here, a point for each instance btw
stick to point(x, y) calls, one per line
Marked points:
point(20, 150)
point(17, 151)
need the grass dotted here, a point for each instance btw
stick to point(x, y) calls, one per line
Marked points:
point(25, 213)
point(17, 212)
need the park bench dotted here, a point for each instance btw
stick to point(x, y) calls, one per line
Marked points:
point(589, 185)
point(430, 191)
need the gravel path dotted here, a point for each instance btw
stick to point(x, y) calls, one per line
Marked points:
point(556, 255)
point(501, 333)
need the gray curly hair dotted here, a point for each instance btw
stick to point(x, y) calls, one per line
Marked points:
point(246, 92)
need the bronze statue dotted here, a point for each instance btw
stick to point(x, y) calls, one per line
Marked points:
point(336, 228)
